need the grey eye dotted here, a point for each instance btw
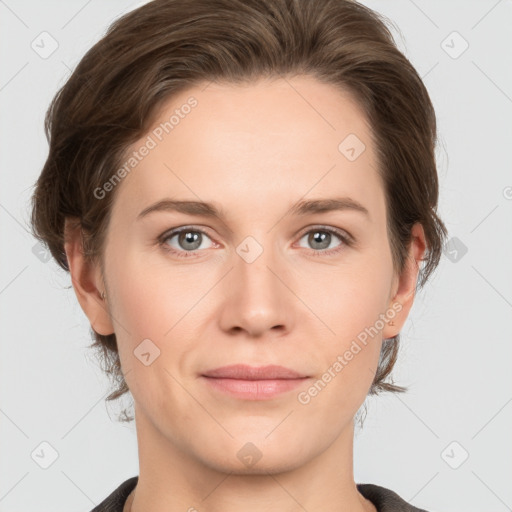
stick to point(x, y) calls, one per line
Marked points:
point(320, 239)
point(188, 240)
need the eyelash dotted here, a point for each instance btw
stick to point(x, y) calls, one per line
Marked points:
point(346, 239)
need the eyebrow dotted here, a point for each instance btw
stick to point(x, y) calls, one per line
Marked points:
point(300, 208)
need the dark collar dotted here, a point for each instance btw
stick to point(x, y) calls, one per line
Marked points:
point(384, 499)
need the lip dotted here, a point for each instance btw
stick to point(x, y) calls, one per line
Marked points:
point(246, 372)
point(253, 383)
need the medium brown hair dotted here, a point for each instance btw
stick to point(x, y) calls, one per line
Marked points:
point(150, 54)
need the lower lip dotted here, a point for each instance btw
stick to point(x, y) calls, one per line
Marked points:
point(254, 389)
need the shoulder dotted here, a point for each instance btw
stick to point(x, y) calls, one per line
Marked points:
point(115, 501)
point(386, 500)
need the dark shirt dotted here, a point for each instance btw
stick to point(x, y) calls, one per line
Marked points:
point(384, 499)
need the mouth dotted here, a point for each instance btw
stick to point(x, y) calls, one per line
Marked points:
point(253, 383)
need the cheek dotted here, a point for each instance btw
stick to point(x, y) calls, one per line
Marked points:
point(161, 304)
point(350, 304)
point(150, 299)
point(348, 352)
point(349, 299)
point(152, 304)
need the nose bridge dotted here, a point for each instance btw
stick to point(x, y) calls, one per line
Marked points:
point(257, 298)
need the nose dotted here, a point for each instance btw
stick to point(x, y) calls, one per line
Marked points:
point(257, 298)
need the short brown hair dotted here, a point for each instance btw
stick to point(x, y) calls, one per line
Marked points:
point(166, 46)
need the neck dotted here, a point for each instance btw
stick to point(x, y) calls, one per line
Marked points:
point(172, 480)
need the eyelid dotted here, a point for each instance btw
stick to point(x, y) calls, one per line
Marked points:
point(331, 229)
point(170, 233)
point(303, 231)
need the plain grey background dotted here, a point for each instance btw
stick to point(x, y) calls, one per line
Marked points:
point(446, 445)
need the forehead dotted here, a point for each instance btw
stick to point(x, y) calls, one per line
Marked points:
point(255, 143)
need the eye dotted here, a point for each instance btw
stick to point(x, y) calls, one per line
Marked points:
point(187, 240)
point(321, 238)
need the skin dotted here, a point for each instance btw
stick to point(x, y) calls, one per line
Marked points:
point(254, 151)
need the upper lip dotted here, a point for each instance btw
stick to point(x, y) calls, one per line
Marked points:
point(246, 372)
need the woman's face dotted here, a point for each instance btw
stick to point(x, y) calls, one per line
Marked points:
point(262, 282)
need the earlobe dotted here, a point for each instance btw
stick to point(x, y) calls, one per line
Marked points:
point(86, 279)
point(403, 299)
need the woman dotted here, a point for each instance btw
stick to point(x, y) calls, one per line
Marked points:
point(243, 192)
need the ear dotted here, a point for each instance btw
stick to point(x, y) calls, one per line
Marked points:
point(86, 279)
point(404, 286)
